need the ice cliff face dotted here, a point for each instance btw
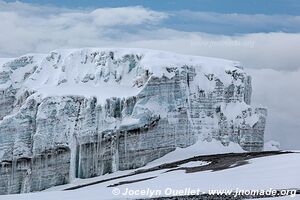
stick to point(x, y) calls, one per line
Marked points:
point(87, 112)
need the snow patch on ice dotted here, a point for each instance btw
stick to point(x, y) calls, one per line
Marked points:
point(102, 92)
point(3, 61)
point(77, 72)
point(231, 110)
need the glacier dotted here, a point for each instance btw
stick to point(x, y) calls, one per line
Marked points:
point(81, 113)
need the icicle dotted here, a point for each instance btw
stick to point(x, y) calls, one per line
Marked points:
point(125, 146)
point(73, 160)
point(115, 152)
point(79, 175)
point(99, 160)
point(26, 184)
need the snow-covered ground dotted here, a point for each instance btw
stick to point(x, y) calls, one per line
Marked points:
point(200, 148)
point(264, 173)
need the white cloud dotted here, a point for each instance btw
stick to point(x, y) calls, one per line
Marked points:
point(259, 50)
point(279, 92)
point(28, 28)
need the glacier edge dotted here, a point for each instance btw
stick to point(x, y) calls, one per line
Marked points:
point(86, 112)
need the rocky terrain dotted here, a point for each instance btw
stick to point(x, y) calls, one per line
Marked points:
point(87, 112)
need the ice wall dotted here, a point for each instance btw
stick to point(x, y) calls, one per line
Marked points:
point(87, 112)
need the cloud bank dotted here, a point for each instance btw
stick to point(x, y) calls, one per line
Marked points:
point(279, 92)
point(29, 28)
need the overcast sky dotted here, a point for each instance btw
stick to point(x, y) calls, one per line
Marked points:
point(262, 34)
